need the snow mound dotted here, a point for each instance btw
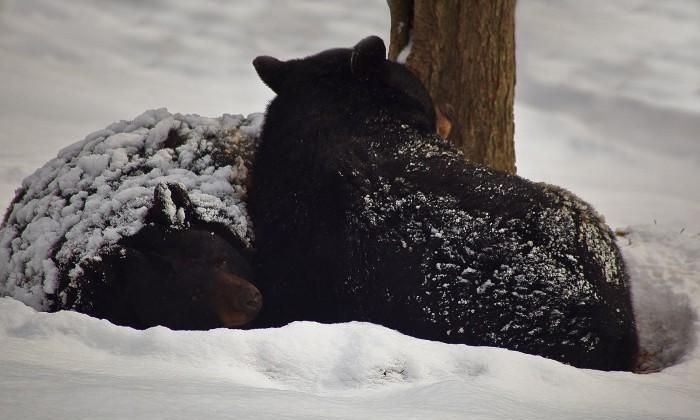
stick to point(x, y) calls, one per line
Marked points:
point(98, 190)
point(664, 267)
point(344, 356)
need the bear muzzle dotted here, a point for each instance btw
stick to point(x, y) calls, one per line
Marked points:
point(235, 300)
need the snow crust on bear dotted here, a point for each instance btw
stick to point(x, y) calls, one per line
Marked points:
point(99, 190)
point(540, 273)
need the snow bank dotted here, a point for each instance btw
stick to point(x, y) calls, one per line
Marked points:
point(67, 365)
point(664, 267)
point(98, 190)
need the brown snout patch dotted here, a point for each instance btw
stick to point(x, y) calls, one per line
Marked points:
point(443, 120)
point(235, 300)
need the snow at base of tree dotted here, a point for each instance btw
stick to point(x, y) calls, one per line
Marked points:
point(68, 365)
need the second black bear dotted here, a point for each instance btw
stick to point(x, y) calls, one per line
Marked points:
point(363, 213)
point(193, 277)
point(143, 223)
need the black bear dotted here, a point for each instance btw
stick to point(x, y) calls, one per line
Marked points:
point(187, 278)
point(143, 223)
point(363, 213)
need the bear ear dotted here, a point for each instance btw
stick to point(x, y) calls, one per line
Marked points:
point(167, 200)
point(271, 70)
point(367, 57)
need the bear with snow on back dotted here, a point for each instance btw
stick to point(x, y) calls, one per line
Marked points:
point(363, 213)
point(143, 223)
point(193, 276)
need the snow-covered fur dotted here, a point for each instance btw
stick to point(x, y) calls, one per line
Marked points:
point(137, 223)
point(363, 213)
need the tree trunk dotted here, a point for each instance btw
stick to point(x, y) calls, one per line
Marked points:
point(464, 53)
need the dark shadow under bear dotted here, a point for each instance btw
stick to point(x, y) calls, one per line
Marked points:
point(363, 213)
point(190, 277)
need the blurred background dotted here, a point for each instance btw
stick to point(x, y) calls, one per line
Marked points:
point(607, 93)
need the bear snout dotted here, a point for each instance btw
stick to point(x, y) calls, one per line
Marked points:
point(235, 300)
point(251, 300)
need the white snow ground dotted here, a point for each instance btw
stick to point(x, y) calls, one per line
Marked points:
point(608, 105)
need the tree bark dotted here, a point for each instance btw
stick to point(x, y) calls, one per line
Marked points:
point(464, 53)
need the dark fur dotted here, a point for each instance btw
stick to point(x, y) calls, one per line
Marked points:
point(182, 277)
point(363, 213)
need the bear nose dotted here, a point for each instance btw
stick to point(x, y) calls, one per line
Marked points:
point(253, 301)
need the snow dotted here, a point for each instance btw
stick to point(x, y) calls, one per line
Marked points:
point(516, 278)
point(607, 106)
point(404, 53)
point(665, 268)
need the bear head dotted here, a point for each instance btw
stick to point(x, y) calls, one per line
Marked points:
point(180, 273)
point(361, 76)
